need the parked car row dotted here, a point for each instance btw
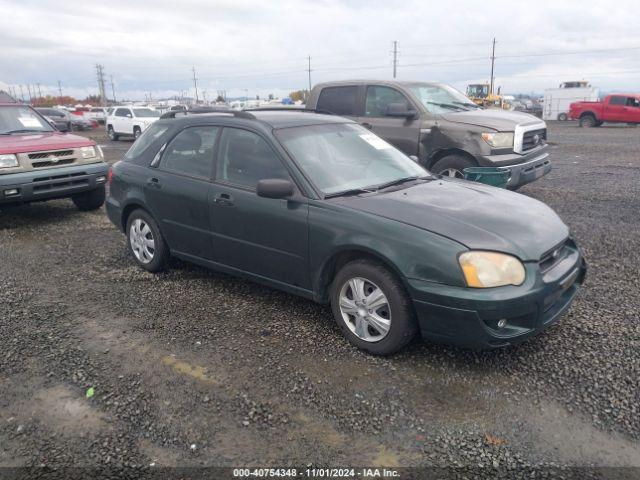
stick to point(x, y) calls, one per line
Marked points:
point(64, 120)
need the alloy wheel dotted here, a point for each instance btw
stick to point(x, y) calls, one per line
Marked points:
point(365, 309)
point(142, 242)
point(452, 172)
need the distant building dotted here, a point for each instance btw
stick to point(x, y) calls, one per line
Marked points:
point(6, 98)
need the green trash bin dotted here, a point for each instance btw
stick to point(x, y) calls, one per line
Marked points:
point(494, 176)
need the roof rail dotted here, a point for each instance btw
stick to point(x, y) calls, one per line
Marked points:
point(287, 109)
point(185, 113)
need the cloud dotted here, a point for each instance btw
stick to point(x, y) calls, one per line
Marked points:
point(263, 46)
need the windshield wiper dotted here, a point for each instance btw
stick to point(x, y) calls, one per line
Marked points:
point(24, 130)
point(466, 104)
point(351, 191)
point(399, 181)
point(447, 105)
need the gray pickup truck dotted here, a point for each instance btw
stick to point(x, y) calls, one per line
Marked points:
point(440, 126)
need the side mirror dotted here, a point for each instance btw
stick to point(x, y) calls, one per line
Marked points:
point(129, 115)
point(414, 158)
point(274, 188)
point(399, 110)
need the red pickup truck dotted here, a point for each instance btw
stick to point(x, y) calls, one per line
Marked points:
point(37, 162)
point(619, 107)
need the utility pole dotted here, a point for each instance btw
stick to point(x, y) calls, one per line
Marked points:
point(195, 82)
point(113, 90)
point(21, 93)
point(39, 94)
point(309, 70)
point(395, 57)
point(493, 59)
point(59, 91)
point(29, 91)
point(100, 73)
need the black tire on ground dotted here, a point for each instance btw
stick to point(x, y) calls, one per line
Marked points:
point(136, 132)
point(161, 252)
point(452, 166)
point(91, 200)
point(588, 121)
point(111, 133)
point(403, 323)
point(562, 117)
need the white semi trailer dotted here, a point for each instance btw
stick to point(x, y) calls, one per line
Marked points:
point(557, 100)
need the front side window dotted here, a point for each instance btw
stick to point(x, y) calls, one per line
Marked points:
point(21, 119)
point(245, 158)
point(379, 97)
point(338, 100)
point(344, 156)
point(190, 152)
point(122, 112)
point(633, 102)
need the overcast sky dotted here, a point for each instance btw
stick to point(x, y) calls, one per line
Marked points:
point(261, 47)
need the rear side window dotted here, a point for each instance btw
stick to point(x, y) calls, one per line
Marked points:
point(617, 101)
point(245, 158)
point(338, 100)
point(149, 136)
point(191, 152)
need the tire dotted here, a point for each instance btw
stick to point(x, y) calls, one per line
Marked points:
point(154, 258)
point(136, 132)
point(452, 166)
point(396, 313)
point(588, 121)
point(111, 133)
point(562, 117)
point(91, 200)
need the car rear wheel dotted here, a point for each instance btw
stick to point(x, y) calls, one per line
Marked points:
point(136, 132)
point(145, 242)
point(111, 133)
point(91, 200)
point(452, 166)
point(588, 121)
point(372, 308)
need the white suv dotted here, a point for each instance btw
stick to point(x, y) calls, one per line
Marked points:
point(130, 121)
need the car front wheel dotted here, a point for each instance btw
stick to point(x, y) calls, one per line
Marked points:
point(91, 200)
point(136, 132)
point(145, 242)
point(452, 166)
point(372, 308)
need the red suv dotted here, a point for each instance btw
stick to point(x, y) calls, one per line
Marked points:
point(37, 162)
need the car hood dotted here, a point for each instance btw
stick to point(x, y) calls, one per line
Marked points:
point(500, 120)
point(475, 215)
point(41, 141)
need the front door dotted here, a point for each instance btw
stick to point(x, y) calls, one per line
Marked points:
point(403, 133)
point(615, 109)
point(262, 236)
point(178, 191)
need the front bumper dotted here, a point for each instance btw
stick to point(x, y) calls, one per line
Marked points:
point(469, 317)
point(524, 168)
point(47, 184)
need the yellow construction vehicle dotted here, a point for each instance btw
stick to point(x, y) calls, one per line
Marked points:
point(481, 94)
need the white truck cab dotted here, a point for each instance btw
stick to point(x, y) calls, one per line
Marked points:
point(129, 121)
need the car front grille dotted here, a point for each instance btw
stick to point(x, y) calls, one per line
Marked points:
point(533, 138)
point(58, 153)
point(49, 163)
point(57, 182)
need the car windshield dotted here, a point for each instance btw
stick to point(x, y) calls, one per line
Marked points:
point(442, 98)
point(145, 112)
point(21, 119)
point(342, 157)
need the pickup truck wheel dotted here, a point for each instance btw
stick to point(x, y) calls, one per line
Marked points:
point(452, 166)
point(145, 241)
point(91, 200)
point(562, 117)
point(136, 132)
point(372, 308)
point(111, 133)
point(588, 121)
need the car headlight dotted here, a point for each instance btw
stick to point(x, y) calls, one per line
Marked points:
point(491, 269)
point(88, 152)
point(8, 161)
point(499, 139)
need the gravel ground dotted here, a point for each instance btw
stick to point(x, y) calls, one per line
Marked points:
point(191, 368)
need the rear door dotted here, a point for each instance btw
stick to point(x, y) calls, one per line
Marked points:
point(262, 236)
point(177, 191)
point(403, 133)
point(345, 100)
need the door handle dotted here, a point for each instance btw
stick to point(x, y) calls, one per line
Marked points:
point(367, 125)
point(224, 200)
point(154, 182)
